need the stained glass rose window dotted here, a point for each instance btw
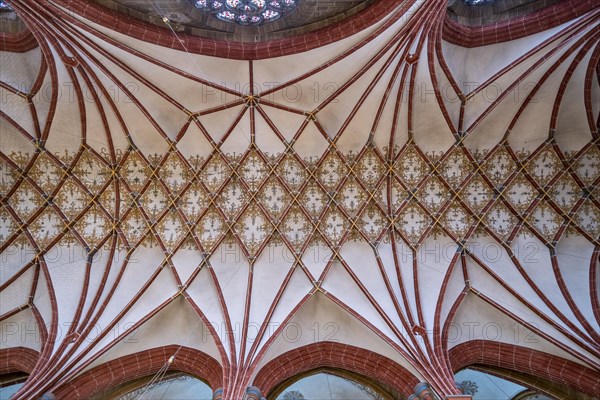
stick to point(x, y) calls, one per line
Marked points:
point(247, 12)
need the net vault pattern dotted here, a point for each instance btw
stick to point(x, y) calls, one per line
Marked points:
point(254, 198)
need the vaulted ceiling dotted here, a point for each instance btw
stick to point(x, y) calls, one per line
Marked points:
point(383, 185)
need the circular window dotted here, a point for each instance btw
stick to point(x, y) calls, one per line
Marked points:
point(247, 12)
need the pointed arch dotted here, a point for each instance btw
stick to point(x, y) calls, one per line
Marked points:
point(335, 355)
point(137, 365)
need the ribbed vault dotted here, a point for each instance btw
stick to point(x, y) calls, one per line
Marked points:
point(390, 191)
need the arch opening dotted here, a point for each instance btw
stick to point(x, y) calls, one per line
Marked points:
point(129, 372)
point(173, 385)
point(534, 370)
point(330, 384)
point(10, 383)
point(483, 384)
point(364, 366)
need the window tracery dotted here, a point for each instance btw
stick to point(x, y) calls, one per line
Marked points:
point(247, 12)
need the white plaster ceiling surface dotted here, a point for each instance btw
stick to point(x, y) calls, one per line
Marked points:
point(207, 202)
